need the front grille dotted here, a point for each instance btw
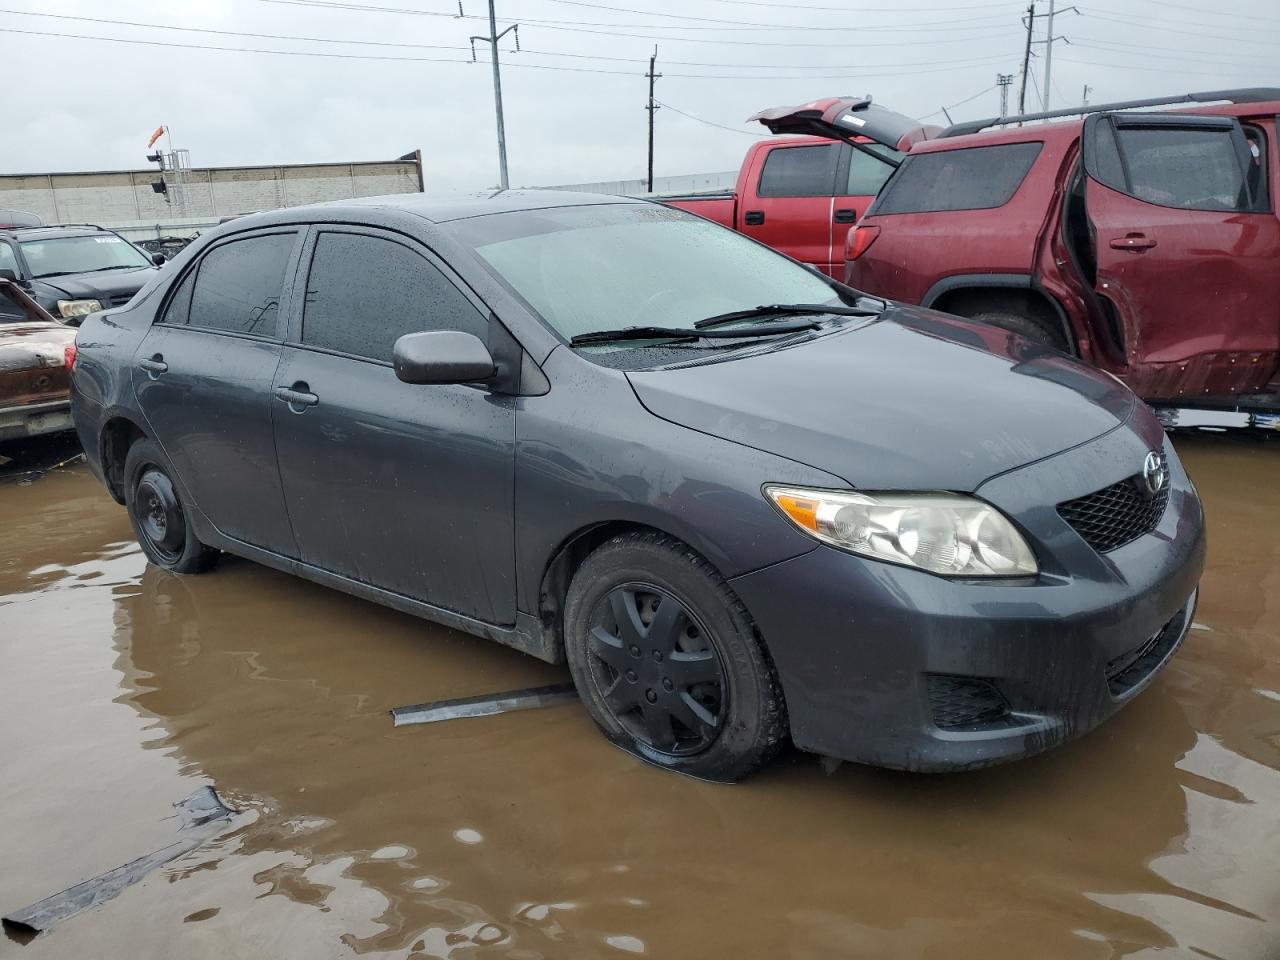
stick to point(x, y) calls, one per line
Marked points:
point(966, 702)
point(1129, 669)
point(1115, 515)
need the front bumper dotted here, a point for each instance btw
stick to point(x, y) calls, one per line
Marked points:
point(895, 667)
point(35, 419)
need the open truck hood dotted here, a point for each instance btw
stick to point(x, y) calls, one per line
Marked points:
point(913, 400)
point(847, 118)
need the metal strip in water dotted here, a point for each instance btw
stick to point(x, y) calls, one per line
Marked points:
point(198, 810)
point(485, 705)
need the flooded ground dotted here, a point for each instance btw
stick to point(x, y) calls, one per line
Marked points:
point(125, 689)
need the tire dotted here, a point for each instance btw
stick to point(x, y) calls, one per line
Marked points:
point(157, 513)
point(1032, 328)
point(685, 683)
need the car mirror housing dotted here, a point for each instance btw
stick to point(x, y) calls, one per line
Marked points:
point(442, 356)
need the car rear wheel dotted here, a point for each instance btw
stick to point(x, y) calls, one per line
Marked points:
point(1032, 328)
point(157, 513)
point(667, 660)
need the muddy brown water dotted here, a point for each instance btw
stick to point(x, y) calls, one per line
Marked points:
point(124, 689)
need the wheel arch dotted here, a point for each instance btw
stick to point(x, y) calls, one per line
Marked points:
point(969, 294)
point(118, 434)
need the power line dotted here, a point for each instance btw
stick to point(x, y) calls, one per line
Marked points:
point(1188, 33)
point(750, 25)
point(429, 46)
point(393, 59)
point(710, 123)
point(960, 103)
point(591, 27)
point(860, 8)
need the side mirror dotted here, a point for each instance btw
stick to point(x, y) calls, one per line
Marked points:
point(7, 274)
point(159, 259)
point(442, 356)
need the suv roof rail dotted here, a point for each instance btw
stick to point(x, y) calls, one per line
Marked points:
point(1241, 95)
point(59, 226)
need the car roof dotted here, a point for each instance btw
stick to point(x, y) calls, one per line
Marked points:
point(443, 208)
point(53, 232)
point(1069, 128)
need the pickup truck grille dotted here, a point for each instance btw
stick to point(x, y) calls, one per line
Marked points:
point(1115, 515)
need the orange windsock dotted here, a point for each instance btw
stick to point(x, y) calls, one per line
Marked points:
point(155, 136)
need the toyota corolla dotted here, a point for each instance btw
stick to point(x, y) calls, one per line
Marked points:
point(744, 502)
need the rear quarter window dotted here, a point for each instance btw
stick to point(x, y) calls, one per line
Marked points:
point(976, 178)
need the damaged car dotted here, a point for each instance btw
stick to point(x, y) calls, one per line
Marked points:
point(36, 352)
point(744, 502)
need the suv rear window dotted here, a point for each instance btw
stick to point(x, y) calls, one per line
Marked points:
point(976, 178)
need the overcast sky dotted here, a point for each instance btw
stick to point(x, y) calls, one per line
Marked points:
point(85, 104)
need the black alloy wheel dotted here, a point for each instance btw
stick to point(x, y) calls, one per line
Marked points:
point(655, 667)
point(668, 661)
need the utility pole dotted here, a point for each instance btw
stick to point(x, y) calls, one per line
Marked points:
point(1048, 57)
point(1004, 81)
point(1026, 59)
point(651, 108)
point(492, 39)
point(1084, 97)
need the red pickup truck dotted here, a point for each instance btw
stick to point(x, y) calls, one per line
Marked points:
point(800, 193)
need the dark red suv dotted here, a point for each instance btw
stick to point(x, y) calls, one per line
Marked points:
point(1146, 243)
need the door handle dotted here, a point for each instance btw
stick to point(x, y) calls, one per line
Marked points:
point(154, 365)
point(297, 396)
point(753, 218)
point(1132, 241)
point(846, 216)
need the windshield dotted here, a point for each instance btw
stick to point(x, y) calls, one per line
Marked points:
point(63, 255)
point(617, 265)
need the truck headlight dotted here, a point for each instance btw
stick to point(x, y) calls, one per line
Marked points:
point(78, 308)
point(942, 533)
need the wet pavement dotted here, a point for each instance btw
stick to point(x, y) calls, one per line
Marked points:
point(125, 689)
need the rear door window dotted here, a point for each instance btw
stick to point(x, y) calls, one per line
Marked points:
point(239, 284)
point(179, 306)
point(800, 171)
point(365, 292)
point(976, 178)
point(867, 174)
point(1188, 168)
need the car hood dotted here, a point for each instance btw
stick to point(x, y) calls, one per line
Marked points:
point(911, 400)
point(113, 286)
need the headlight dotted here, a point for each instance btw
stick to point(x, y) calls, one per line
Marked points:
point(941, 533)
point(78, 308)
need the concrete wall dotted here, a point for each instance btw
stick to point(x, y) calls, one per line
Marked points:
point(687, 183)
point(124, 200)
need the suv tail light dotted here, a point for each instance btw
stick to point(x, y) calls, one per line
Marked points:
point(860, 238)
point(69, 356)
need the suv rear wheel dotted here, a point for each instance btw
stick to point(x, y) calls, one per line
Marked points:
point(1033, 328)
point(157, 513)
point(667, 660)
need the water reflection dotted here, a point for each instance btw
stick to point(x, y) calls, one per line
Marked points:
point(528, 836)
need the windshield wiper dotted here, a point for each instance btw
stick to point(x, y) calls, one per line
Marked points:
point(120, 266)
point(778, 309)
point(684, 333)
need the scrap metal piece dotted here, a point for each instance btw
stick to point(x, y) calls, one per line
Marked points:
point(485, 705)
point(202, 808)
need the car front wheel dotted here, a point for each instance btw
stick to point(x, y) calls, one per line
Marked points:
point(157, 513)
point(667, 660)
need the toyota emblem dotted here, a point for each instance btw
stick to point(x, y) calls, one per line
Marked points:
point(1155, 473)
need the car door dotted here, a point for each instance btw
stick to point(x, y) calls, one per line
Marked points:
point(792, 207)
point(203, 377)
point(1186, 242)
point(407, 487)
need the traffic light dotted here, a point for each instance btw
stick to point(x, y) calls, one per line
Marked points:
point(159, 186)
